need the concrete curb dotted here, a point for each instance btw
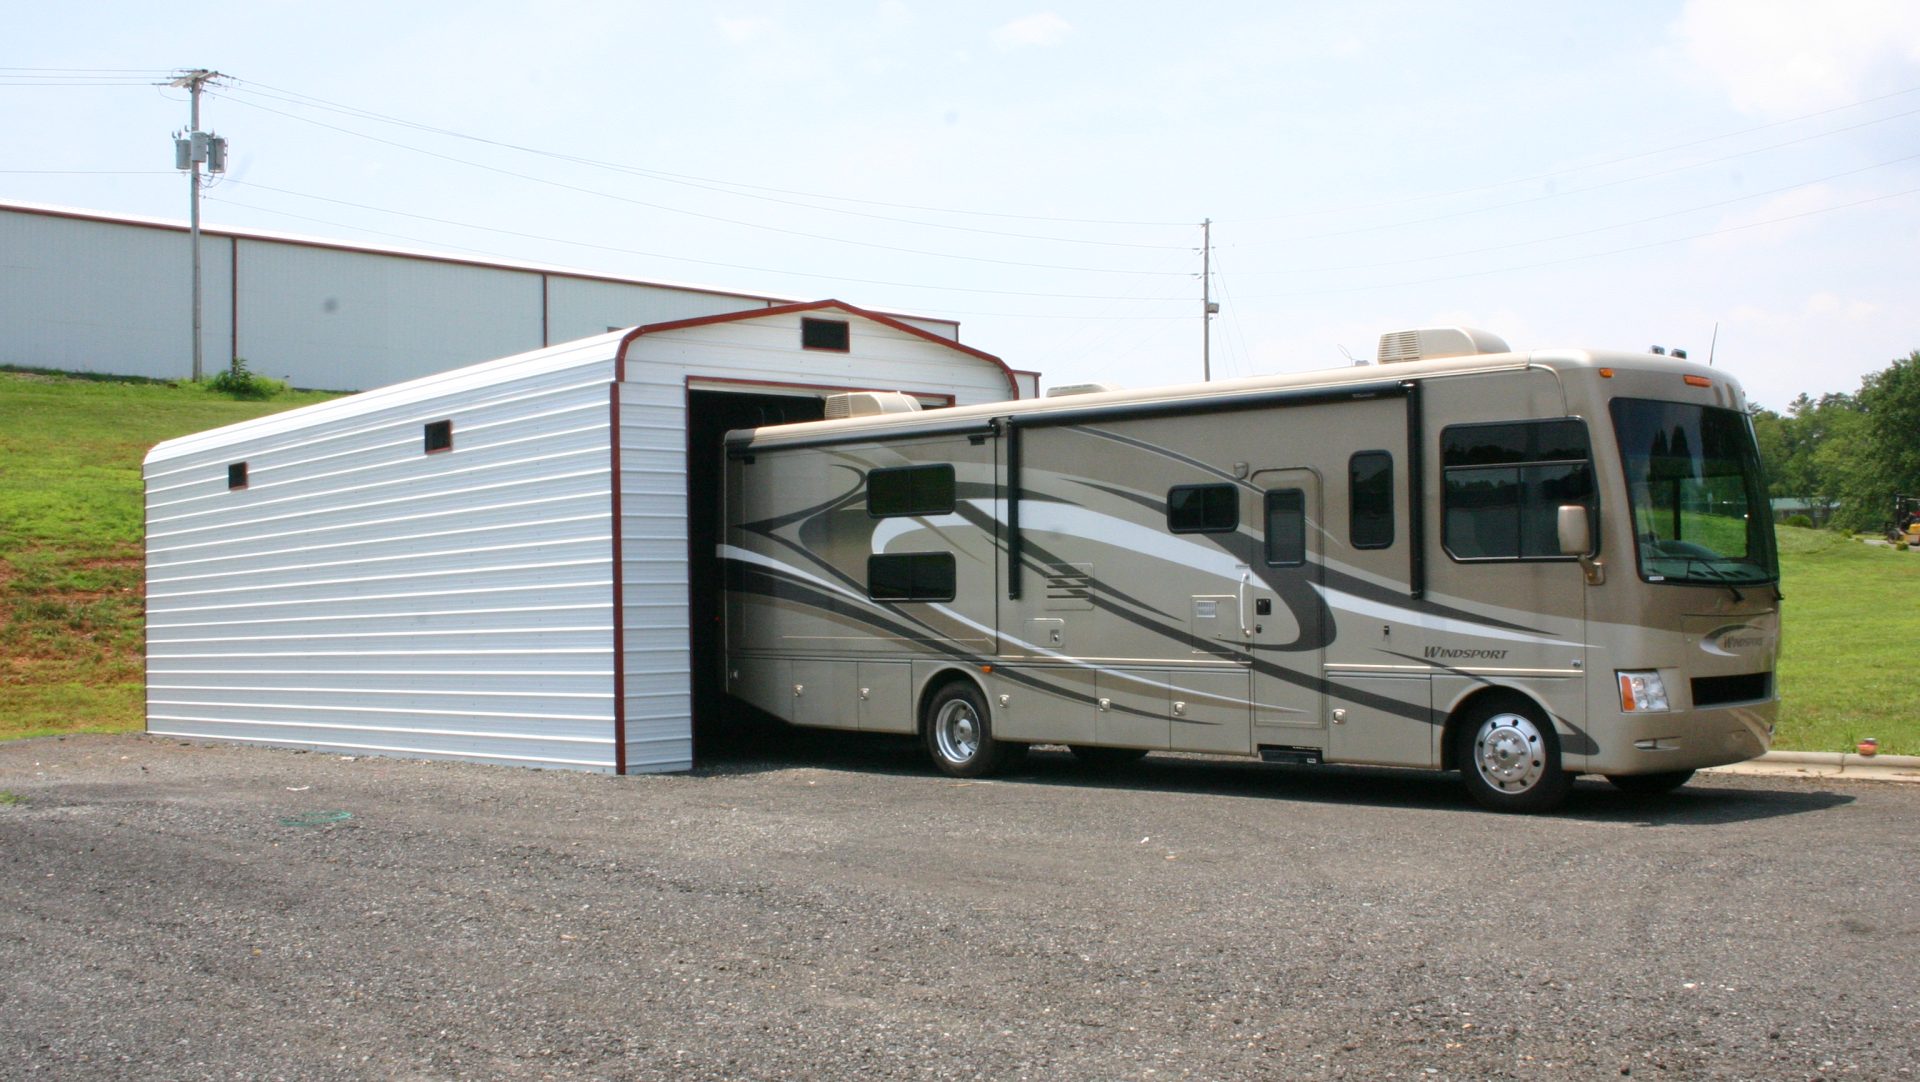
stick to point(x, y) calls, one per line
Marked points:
point(1829, 764)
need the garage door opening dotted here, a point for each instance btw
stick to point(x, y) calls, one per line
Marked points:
point(710, 416)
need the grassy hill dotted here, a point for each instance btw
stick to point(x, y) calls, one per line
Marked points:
point(71, 599)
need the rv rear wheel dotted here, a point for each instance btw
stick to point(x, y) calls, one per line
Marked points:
point(1510, 758)
point(960, 736)
point(1650, 784)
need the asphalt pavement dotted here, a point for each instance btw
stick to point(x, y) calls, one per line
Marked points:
point(826, 906)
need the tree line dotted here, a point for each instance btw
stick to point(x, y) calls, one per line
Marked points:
point(1847, 455)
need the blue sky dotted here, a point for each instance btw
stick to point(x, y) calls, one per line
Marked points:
point(1563, 175)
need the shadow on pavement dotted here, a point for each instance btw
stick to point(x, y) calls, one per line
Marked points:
point(1705, 801)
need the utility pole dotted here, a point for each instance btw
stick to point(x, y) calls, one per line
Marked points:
point(1208, 306)
point(191, 150)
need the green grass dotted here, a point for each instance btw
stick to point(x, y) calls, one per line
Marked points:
point(71, 574)
point(1849, 635)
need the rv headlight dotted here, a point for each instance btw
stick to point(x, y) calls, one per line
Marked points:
point(1642, 692)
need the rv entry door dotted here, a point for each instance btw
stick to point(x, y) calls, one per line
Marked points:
point(1286, 619)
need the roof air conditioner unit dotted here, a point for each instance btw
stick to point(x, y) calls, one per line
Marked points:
point(1080, 388)
point(869, 403)
point(1434, 343)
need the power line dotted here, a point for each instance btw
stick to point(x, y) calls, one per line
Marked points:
point(669, 209)
point(1592, 187)
point(725, 186)
point(622, 251)
point(1537, 177)
point(1591, 255)
point(470, 225)
point(1596, 229)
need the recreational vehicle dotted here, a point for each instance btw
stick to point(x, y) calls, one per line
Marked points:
point(1524, 566)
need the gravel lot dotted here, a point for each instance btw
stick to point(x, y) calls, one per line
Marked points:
point(827, 906)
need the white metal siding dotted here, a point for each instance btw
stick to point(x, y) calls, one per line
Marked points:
point(577, 307)
point(653, 570)
point(335, 319)
point(108, 294)
point(362, 595)
point(653, 482)
point(95, 297)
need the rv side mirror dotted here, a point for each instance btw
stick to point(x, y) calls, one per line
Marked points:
point(1576, 535)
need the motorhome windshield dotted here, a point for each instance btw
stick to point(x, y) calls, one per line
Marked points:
point(1700, 513)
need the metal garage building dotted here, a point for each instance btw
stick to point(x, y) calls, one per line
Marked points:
point(510, 562)
point(91, 292)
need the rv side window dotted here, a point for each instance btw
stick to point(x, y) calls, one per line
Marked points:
point(910, 490)
point(910, 576)
point(1504, 484)
point(1286, 527)
point(1203, 509)
point(1370, 500)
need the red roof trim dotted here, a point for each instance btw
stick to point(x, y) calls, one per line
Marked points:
point(619, 591)
point(626, 340)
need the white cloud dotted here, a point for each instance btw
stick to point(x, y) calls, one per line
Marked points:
point(1045, 28)
point(740, 30)
point(1834, 306)
point(1783, 57)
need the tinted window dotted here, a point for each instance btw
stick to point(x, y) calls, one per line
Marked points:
point(439, 436)
point(236, 475)
point(1370, 500)
point(1503, 486)
point(911, 576)
point(910, 490)
point(1286, 527)
point(1203, 509)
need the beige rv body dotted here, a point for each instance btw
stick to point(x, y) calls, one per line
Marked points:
point(1295, 605)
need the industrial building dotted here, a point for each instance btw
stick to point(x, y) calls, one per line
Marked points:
point(510, 562)
point(90, 292)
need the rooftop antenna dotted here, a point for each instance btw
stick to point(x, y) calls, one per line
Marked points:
point(1713, 343)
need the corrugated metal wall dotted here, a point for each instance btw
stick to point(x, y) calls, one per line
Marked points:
point(653, 492)
point(91, 293)
point(341, 320)
point(96, 297)
point(361, 594)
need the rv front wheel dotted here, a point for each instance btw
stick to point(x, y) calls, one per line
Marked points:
point(1510, 758)
point(959, 734)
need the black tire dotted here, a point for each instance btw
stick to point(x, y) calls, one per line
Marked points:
point(958, 733)
point(1096, 758)
point(1510, 757)
point(1650, 784)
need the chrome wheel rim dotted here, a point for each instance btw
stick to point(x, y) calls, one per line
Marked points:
point(1510, 753)
point(957, 731)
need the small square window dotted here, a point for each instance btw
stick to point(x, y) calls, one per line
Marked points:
point(439, 436)
point(830, 334)
point(236, 475)
point(1203, 509)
